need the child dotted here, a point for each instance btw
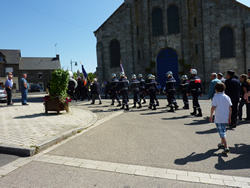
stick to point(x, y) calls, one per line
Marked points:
point(221, 104)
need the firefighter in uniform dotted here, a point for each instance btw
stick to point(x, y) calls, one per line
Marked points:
point(170, 91)
point(114, 89)
point(152, 89)
point(135, 89)
point(142, 88)
point(123, 88)
point(72, 85)
point(184, 90)
point(195, 89)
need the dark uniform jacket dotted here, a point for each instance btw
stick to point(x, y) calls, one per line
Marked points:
point(184, 86)
point(195, 85)
point(152, 85)
point(233, 89)
point(123, 84)
point(95, 88)
point(114, 84)
point(142, 84)
point(134, 85)
point(170, 85)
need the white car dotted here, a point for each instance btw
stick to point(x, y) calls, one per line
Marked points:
point(3, 95)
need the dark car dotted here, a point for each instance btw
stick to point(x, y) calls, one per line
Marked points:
point(35, 87)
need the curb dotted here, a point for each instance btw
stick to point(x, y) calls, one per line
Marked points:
point(27, 152)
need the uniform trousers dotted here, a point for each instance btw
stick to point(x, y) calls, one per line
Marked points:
point(152, 95)
point(171, 98)
point(185, 97)
point(195, 99)
point(115, 96)
point(124, 94)
point(136, 96)
point(234, 111)
point(142, 94)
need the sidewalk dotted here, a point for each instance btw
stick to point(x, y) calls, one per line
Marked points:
point(26, 129)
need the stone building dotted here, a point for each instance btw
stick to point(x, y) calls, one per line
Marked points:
point(155, 36)
point(38, 69)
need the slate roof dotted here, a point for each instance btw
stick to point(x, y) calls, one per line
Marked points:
point(39, 63)
point(11, 56)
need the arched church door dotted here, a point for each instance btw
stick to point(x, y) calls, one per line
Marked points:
point(167, 60)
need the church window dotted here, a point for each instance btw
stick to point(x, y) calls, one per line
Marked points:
point(227, 43)
point(115, 55)
point(157, 22)
point(173, 20)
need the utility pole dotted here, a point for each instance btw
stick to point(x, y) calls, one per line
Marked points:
point(71, 62)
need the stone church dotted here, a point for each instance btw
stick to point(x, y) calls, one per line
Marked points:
point(156, 36)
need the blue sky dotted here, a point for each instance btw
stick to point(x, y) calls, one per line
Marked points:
point(35, 27)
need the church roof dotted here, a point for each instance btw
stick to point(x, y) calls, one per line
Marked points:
point(39, 63)
point(110, 17)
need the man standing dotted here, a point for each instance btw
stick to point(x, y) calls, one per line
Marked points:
point(184, 90)
point(214, 81)
point(24, 85)
point(135, 89)
point(142, 88)
point(114, 89)
point(195, 89)
point(152, 89)
point(233, 91)
point(95, 91)
point(170, 91)
point(124, 87)
point(221, 78)
point(8, 88)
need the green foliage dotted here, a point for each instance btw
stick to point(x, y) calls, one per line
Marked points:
point(59, 84)
point(91, 76)
point(75, 75)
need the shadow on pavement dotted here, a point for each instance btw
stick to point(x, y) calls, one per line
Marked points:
point(240, 162)
point(152, 113)
point(199, 122)
point(38, 115)
point(175, 118)
point(211, 131)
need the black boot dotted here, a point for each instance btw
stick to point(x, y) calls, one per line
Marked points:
point(200, 113)
point(150, 106)
point(127, 108)
point(154, 107)
point(139, 105)
point(144, 101)
point(194, 112)
point(122, 107)
point(171, 109)
point(176, 106)
point(134, 105)
point(186, 107)
point(157, 103)
point(119, 104)
point(112, 104)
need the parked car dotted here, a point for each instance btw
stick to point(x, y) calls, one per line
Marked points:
point(3, 95)
point(35, 87)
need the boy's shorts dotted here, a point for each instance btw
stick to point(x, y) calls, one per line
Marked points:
point(221, 127)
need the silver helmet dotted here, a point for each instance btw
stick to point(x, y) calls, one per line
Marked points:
point(184, 77)
point(133, 76)
point(113, 75)
point(169, 73)
point(122, 74)
point(193, 71)
point(139, 75)
point(153, 77)
point(150, 76)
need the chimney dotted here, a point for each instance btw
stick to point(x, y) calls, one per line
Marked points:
point(57, 56)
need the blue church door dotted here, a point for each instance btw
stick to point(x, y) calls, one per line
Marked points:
point(167, 60)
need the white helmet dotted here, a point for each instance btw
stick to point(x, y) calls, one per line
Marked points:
point(139, 75)
point(193, 71)
point(133, 76)
point(184, 77)
point(153, 77)
point(70, 74)
point(122, 74)
point(169, 73)
point(113, 75)
point(150, 76)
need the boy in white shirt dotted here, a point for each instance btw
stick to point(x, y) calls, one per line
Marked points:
point(221, 104)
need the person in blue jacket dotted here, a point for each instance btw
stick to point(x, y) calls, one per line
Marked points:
point(142, 88)
point(123, 88)
point(214, 81)
point(184, 90)
point(152, 89)
point(114, 89)
point(135, 89)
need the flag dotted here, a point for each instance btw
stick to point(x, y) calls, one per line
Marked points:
point(122, 70)
point(84, 72)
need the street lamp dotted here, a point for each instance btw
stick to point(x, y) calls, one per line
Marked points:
point(71, 62)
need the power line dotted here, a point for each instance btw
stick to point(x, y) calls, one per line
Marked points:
point(52, 16)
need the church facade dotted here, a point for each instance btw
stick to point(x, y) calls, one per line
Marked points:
point(156, 36)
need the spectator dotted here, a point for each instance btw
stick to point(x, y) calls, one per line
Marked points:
point(221, 78)
point(95, 91)
point(10, 74)
point(221, 104)
point(159, 88)
point(214, 81)
point(8, 88)
point(233, 91)
point(24, 86)
point(244, 88)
